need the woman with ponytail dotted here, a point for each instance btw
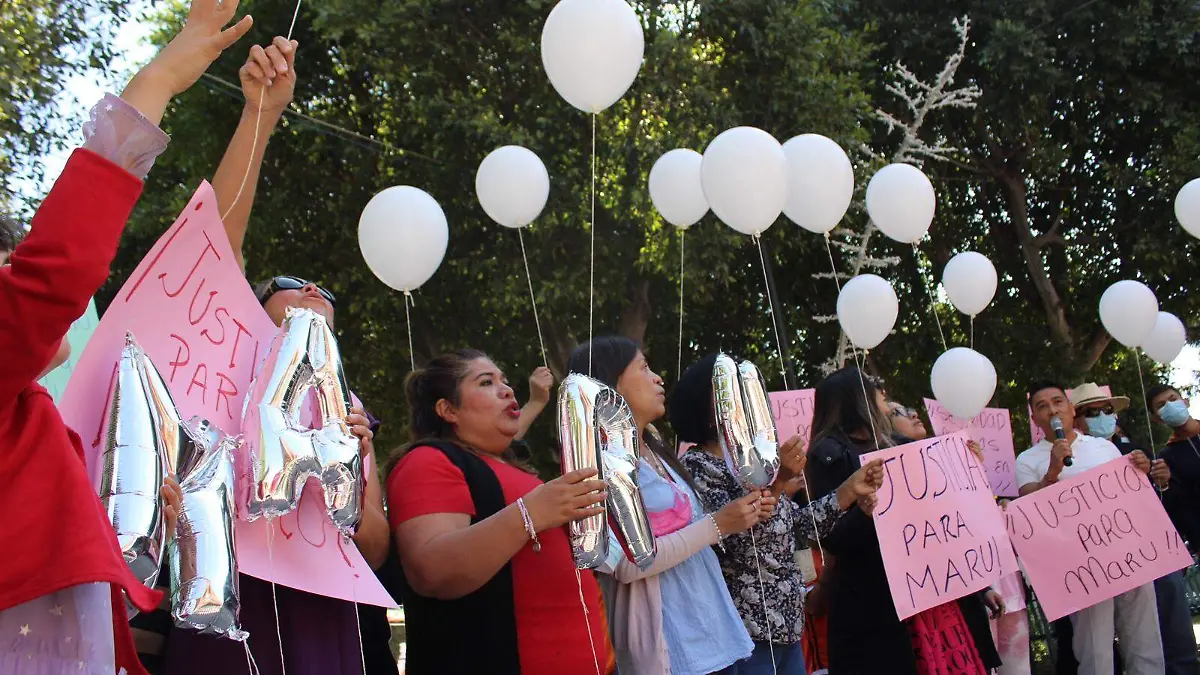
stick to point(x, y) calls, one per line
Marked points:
point(676, 617)
point(490, 582)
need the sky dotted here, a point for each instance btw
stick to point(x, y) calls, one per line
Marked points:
point(134, 50)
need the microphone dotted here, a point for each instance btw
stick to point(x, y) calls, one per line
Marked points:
point(1057, 425)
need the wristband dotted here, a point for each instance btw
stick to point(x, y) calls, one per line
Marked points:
point(718, 529)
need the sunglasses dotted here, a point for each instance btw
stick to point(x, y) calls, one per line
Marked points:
point(293, 284)
point(901, 411)
point(1096, 412)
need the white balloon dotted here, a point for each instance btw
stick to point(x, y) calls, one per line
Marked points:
point(744, 174)
point(820, 182)
point(901, 202)
point(1128, 310)
point(867, 308)
point(1166, 340)
point(970, 280)
point(675, 187)
point(1187, 207)
point(592, 51)
point(512, 186)
point(963, 381)
point(403, 236)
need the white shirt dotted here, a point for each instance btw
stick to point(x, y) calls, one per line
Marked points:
point(1087, 452)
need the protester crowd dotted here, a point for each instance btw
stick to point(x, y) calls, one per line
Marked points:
point(471, 541)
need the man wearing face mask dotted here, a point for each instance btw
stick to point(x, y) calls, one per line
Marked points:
point(1182, 454)
point(1096, 415)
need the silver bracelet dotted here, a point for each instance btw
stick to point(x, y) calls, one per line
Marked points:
point(537, 545)
point(718, 529)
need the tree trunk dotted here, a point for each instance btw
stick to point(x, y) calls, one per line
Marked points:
point(635, 317)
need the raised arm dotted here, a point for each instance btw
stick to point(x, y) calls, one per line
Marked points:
point(539, 395)
point(268, 82)
point(66, 257)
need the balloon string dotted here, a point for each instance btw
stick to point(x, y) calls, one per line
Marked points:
point(258, 123)
point(251, 664)
point(412, 357)
point(972, 331)
point(362, 654)
point(762, 596)
point(837, 281)
point(771, 306)
point(932, 304)
point(274, 597)
point(532, 299)
point(1137, 357)
point(679, 362)
point(587, 620)
point(870, 417)
point(592, 273)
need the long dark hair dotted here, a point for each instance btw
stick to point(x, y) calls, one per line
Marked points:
point(691, 410)
point(840, 408)
point(440, 378)
point(608, 357)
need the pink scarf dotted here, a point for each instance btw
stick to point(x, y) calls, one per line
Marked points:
point(675, 518)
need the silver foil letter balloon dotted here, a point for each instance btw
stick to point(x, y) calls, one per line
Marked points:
point(284, 454)
point(597, 430)
point(143, 438)
point(202, 558)
point(745, 426)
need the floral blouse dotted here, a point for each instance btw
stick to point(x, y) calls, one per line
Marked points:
point(775, 539)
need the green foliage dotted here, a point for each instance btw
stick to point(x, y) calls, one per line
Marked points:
point(42, 43)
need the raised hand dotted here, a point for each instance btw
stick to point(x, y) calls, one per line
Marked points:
point(539, 385)
point(861, 484)
point(269, 75)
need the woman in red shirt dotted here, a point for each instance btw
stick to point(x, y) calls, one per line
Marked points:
point(491, 583)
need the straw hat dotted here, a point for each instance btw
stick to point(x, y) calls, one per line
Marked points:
point(1090, 392)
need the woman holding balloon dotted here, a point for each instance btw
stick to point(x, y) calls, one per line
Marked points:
point(491, 585)
point(676, 616)
point(860, 604)
point(775, 620)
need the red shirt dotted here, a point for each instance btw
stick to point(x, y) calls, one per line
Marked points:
point(55, 533)
point(551, 634)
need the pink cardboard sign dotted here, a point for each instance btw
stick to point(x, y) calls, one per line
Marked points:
point(992, 430)
point(1036, 434)
point(191, 310)
point(793, 412)
point(1094, 537)
point(941, 534)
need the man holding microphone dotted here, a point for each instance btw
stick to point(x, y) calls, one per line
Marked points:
point(1132, 617)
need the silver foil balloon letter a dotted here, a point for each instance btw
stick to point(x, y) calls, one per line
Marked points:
point(202, 559)
point(580, 440)
point(745, 426)
point(303, 359)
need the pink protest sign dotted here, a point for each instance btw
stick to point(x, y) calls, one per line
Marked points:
point(940, 531)
point(191, 310)
point(1094, 537)
point(793, 412)
point(1036, 434)
point(992, 430)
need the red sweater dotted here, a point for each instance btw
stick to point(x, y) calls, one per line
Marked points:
point(55, 533)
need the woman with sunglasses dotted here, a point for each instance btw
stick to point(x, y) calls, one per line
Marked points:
point(319, 635)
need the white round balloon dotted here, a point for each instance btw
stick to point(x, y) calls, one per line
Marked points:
point(1187, 207)
point(403, 236)
point(970, 280)
point(512, 186)
point(1167, 339)
point(1128, 310)
point(901, 202)
point(867, 309)
point(963, 381)
point(820, 182)
point(592, 51)
point(675, 187)
point(744, 174)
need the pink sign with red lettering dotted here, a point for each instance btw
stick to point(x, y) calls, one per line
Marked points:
point(190, 308)
point(1093, 537)
point(1036, 434)
point(992, 430)
point(940, 531)
point(793, 412)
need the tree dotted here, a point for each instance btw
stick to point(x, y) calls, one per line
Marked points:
point(42, 44)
